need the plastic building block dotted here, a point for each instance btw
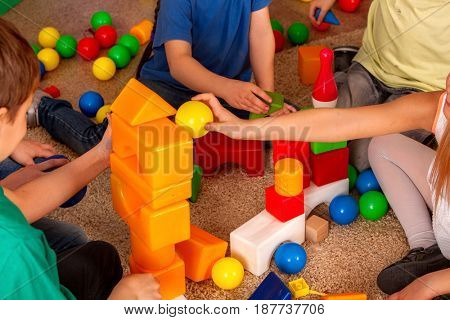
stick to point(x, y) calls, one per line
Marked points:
point(154, 260)
point(142, 31)
point(329, 17)
point(254, 243)
point(315, 195)
point(131, 191)
point(6, 5)
point(345, 296)
point(277, 104)
point(316, 229)
point(171, 279)
point(309, 63)
point(53, 91)
point(288, 177)
point(196, 183)
point(137, 104)
point(215, 149)
point(294, 149)
point(284, 208)
point(272, 288)
point(329, 166)
point(200, 252)
point(299, 289)
point(322, 147)
point(162, 227)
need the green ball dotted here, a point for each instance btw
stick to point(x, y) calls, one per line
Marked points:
point(66, 46)
point(36, 48)
point(120, 55)
point(131, 43)
point(276, 25)
point(373, 205)
point(101, 18)
point(352, 176)
point(298, 33)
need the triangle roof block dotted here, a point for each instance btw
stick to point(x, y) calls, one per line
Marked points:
point(137, 104)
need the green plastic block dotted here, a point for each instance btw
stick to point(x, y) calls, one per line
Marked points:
point(196, 183)
point(277, 104)
point(6, 5)
point(322, 147)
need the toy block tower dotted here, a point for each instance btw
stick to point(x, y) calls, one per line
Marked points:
point(151, 172)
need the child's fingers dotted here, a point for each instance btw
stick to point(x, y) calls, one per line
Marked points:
point(262, 94)
point(322, 14)
point(48, 147)
point(312, 11)
point(45, 153)
point(256, 103)
point(289, 108)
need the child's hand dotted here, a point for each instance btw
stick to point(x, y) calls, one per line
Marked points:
point(136, 287)
point(242, 95)
point(285, 110)
point(104, 148)
point(419, 289)
point(323, 5)
point(27, 150)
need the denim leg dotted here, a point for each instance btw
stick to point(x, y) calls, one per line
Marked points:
point(7, 167)
point(69, 126)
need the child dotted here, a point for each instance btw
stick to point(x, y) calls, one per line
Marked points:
point(199, 46)
point(29, 268)
point(413, 177)
point(404, 50)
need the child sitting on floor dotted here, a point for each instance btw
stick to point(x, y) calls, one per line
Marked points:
point(414, 178)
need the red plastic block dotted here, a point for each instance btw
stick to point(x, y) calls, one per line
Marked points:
point(329, 166)
point(215, 149)
point(284, 208)
point(294, 149)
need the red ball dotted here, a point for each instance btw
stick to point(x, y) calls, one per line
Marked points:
point(106, 36)
point(88, 48)
point(279, 40)
point(321, 27)
point(349, 5)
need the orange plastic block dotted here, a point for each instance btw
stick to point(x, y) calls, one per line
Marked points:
point(153, 260)
point(163, 227)
point(137, 104)
point(171, 279)
point(131, 191)
point(345, 296)
point(142, 31)
point(200, 253)
point(309, 63)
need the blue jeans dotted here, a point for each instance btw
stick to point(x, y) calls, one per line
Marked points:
point(61, 236)
point(80, 133)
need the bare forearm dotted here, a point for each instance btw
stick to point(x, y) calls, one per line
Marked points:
point(262, 54)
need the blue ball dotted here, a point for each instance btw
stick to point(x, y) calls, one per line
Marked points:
point(344, 210)
point(41, 69)
point(90, 102)
point(290, 258)
point(367, 182)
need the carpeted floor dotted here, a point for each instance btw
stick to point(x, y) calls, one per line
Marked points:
point(348, 260)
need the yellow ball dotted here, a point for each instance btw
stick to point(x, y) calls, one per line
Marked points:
point(48, 36)
point(102, 112)
point(104, 68)
point(193, 116)
point(227, 273)
point(50, 58)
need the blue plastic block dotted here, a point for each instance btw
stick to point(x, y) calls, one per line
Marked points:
point(272, 288)
point(329, 17)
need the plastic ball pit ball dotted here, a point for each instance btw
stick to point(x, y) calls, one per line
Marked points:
point(279, 40)
point(276, 25)
point(290, 258)
point(227, 273)
point(343, 209)
point(88, 48)
point(352, 176)
point(104, 68)
point(102, 112)
point(66, 46)
point(367, 182)
point(99, 19)
point(373, 205)
point(48, 36)
point(298, 33)
point(36, 48)
point(50, 58)
point(131, 43)
point(90, 102)
point(106, 36)
point(193, 116)
point(120, 55)
point(349, 5)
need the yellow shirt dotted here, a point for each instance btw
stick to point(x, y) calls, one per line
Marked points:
point(407, 43)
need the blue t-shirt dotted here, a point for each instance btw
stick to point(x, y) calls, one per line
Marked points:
point(218, 31)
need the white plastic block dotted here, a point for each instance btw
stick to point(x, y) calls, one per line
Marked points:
point(254, 242)
point(315, 195)
point(322, 104)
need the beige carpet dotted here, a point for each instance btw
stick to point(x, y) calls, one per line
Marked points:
point(348, 260)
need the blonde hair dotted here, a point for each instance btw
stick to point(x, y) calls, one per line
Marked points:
point(440, 174)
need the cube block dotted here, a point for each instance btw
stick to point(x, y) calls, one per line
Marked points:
point(137, 104)
point(284, 208)
point(200, 252)
point(277, 104)
point(148, 259)
point(171, 279)
point(316, 229)
point(309, 63)
point(272, 288)
point(294, 149)
point(254, 243)
point(329, 166)
point(315, 195)
point(321, 147)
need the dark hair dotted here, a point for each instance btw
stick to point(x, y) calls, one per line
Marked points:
point(19, 69)
point(149, 49)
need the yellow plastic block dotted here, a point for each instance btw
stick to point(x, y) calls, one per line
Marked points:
point(153, 260)
point(130, 190)
point(288, 177)
point(309, 63)
point(200, 253)
point(137, 104)
point(171, 279)
point(142, 31)
point(163, 227)
point(345, 296)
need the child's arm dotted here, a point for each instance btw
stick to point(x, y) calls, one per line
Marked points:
point(414, 111)
point(262, 49)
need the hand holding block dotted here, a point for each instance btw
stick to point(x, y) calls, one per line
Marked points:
point(316, 229)
point(315, 195)
point(329, 166)
point(284, 208)
point(272, 288)
point(276, 105)
point(288, 177)
point(294, 149)
point(309, 63)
